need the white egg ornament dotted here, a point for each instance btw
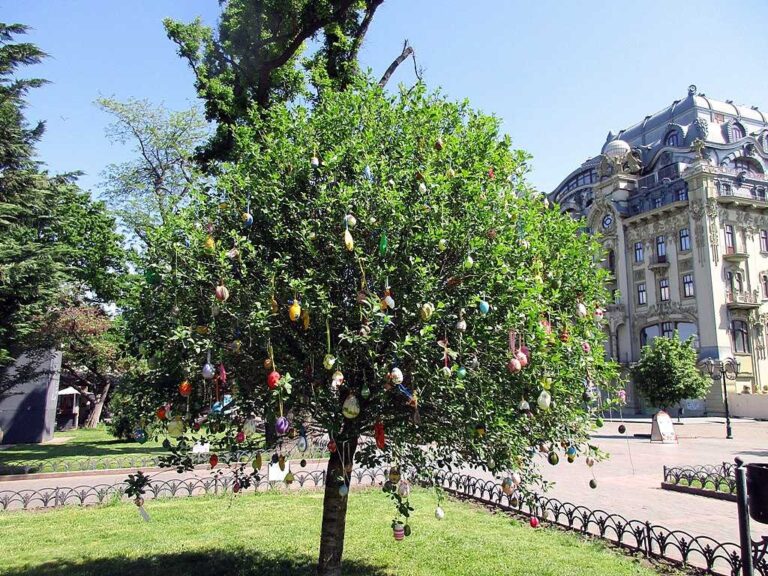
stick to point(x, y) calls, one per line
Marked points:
point(337, 379)
point(422, 188)
point(351, 407)
point(396, 376)
point(446, 371)
point(581, 310)
point(350, 220)
point(439, 513)
point(314, 162)
point(427, 310)
point(545, 400)
point(208, 371)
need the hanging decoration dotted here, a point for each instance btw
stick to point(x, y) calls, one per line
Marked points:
point(176, 427)
point(294, 310)
point(210, 243)
point(427, 309)
point(282, 425)
point(387, 302)
point(378, 433)
point(208, 370)
point(396, 376)
point(383, 243)
point(461, 325)
point(351, 407)
point(544, 400)
point(337, 380)
point(483, 307)
point(329, 360)
point(314, 161)
point(442, 244)
point(422, 188)
point(581, 310)
point(185, 388)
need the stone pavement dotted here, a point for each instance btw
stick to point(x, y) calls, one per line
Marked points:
point(628, 482)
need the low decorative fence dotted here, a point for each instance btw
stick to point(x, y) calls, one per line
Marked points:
point(653, 541)
point(316, 449)
point(713, 481)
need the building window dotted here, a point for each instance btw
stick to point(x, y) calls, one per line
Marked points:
point(638, 252)
point(685, 239)
point(687, 285)
point(664, 289)
point(642, 297)
point(667, 329)
point(672, 139)
point(740, 335)
point(682, 195)
point(764, 284)
point(648, 333)
point(763, 240)
point(737, 132)
point(661, 248)
point(657, 202)
point(730, 240)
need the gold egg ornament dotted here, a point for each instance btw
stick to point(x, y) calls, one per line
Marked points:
point(349, 243)
point(294, 310)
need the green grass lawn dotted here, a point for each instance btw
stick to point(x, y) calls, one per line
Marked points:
point(268, 534)
point(83, 443)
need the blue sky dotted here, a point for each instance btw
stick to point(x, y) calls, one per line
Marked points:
point(559, 74)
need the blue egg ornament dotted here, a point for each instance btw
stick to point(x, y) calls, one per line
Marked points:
point(483, 307)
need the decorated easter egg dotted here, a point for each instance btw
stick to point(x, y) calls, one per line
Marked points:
point(281, 462)
point(351, 407)
point(450, 173)
point(446, 371)
point(302, 444)
point(480, 430)
point(553, 458)
point(394, 475)
point(398, 531)
point(598, 422)
point(216, 408)
point(461, 373)
point(176, 427)
point(240, 437)
point(439, 513)
point(314, 162)
point(468, 262)
point(281, 425)
point(422, 188)
point(389, 301)
point(396, 376)
point(161, 413)
point(272, 379)
point(378, 433)
point(483, 307)
point(585, 347)
point(185, 388)
point(581, 310)
point(593, 483)
point(534, 522)
point(383, 243)
point(328, 361)
point(427, 309)
point(213, 460)
point(571, 451)
point(250, 426)
point(544, 400)
point(523, 406)
point(210, 244)
point(461, 325)
point(337, 379)
point(404, 488)
point(599, 313)
point(365, 392)
point(294, 310)
point(349, 243)
point(289, 478)
point(208, 371)
point(343, 490)
point(368, 173)
point(514, 365)
point(442, 244)
point(268, 363)
point(350, 220)
point(257, 462)
point(507, 486)
point(516, 478)
point(439, 144)
point(247, 219)
point(332, 446)
point(590, 461)
point(521, 357)
point(140, 435)
point(622, 429)
point(222, 293)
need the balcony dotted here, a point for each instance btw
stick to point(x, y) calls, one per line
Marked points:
point(660, 262)
point(735, 254)
point(742, 300)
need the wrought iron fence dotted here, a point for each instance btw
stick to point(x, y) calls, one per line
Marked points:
point(648, 539)
point(315, 449)
point(718, 478)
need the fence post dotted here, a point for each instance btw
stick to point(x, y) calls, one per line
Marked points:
point(216, 485)
point(648, 540)
point(745, 538)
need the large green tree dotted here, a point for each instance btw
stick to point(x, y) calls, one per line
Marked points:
point(395, 234)
point(53, 237)
point(667, 372)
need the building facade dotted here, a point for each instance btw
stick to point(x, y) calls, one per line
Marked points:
point(680, 201)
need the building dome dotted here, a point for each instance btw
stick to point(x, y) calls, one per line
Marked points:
point(616, 149)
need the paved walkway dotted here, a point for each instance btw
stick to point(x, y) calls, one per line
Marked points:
point(628, 482)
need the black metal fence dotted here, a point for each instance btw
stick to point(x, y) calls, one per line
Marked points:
point(648, 539)
point(315, 449)
point(712, 480)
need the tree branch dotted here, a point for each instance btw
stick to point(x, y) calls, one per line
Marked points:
point(407, 51)
point(370, 10)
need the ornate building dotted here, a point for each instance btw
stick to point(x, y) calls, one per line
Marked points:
point(680, 203)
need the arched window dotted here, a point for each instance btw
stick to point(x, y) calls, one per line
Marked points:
point(746, 165)
point(737, 132)
point(672, 138)
point(740, 336)
point(764, 284)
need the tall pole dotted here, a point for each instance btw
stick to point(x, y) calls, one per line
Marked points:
point(745, 538)
point(728, 431)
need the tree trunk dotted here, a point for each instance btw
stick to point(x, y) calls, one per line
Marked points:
point(334, 510)
point(95, 416)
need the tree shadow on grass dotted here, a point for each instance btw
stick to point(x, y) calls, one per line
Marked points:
point(202, 563)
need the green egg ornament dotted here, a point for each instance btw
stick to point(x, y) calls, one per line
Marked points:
point(461, 373)
point(593, 483)
point(442, 244)
point(407, 530)
point(553, 458)
point(328, 361)
point(383, 244)
point(257, 462)
point(598, 422)
point(469, 262)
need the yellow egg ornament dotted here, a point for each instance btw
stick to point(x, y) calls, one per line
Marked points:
point(348, 241)
point(351, 407)
point(210, 244)
point(294, 311)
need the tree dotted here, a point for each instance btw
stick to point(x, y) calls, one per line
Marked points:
point(667, 372)
point(145, 190)
point(51, 234)
point(374, 264)
point(251, 63)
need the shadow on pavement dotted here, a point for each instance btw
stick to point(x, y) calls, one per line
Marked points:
point(202, 563)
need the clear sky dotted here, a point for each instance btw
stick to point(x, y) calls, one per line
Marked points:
point(560, 74)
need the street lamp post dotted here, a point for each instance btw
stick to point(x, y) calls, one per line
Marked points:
point(723, 370)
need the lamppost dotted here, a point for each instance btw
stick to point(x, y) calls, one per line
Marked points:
point(722, 370)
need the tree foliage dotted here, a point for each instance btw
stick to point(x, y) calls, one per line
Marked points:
point(144, 191)
point(441, 220)
point(251, 61)
point(667, 372)
point(52, 235)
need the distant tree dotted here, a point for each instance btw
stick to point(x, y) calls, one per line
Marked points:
point(144, 191)
point(667, 372)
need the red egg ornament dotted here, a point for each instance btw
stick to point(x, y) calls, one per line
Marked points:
point(185, 388)
point(332, 446)
point(240, 437)
point(222, 293)
point(378, 432)
point(534, 522)
point(161, 413)
point(272, 379)
point(213, 460)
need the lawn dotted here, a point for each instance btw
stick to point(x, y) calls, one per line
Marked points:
point(267, 534)
point(82, 444)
